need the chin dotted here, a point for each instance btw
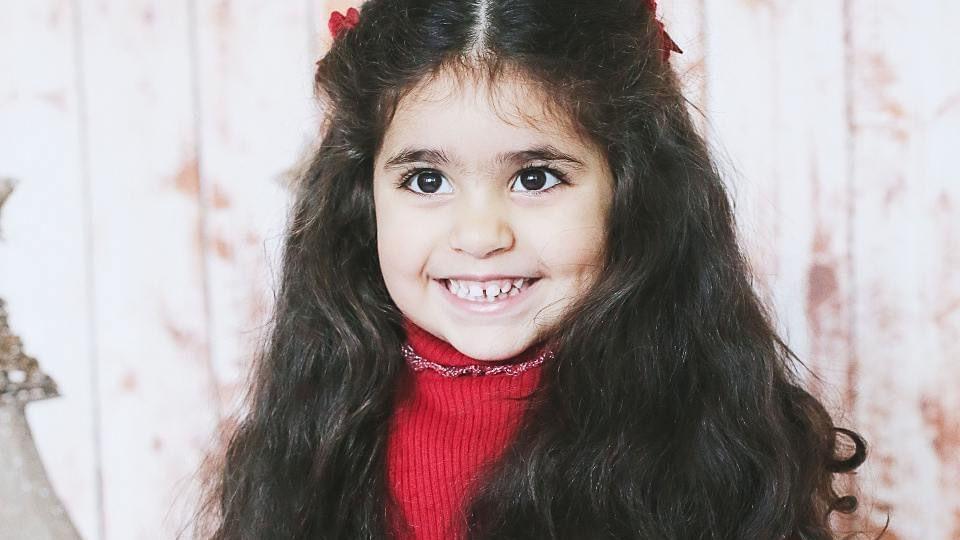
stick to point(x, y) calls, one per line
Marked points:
point(479, 346)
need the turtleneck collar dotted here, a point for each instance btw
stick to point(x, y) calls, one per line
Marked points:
point(453, 415)
point(435, 350)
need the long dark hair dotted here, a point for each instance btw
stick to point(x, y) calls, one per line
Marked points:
point(672, 409)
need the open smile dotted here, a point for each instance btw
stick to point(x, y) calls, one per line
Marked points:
point(503, 303)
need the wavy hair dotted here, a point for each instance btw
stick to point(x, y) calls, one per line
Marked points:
point(671, 410)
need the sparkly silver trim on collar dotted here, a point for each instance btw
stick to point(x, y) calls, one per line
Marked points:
point(418, 363)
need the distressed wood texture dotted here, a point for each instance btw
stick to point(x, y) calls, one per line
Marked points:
point(782, 140)
point(257, 115)
point(838, 146)
point(153, 141)
point(904, 113)
point(45, 251)
point(149, 276)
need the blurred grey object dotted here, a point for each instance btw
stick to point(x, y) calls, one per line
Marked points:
point(29, 508)
point(6, 188)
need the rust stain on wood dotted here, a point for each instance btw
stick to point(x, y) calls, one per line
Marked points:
point(947, 104)
point(956, 523)
point(56, 99)
point(184, 339)
point(891, 192)
point(944, 204)
point(129, 382)
point(219, 198)
point(822, 275)
point(879, 79)
point(199, 240)
point(259, 307)
point(945, 425)
point(824, 303)
point(942, 316)
point(187, 178)
point(181, 338)
point(222, 14)
point(822, 285)
point(222, 248)
point(886, 318)
point(948, 303)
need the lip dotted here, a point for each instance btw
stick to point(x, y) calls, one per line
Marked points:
point(500, 307)
point(487, 277)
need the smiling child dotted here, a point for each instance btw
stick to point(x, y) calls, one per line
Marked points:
point(513, 304)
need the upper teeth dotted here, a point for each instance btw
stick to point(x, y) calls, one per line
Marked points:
point(486, 289)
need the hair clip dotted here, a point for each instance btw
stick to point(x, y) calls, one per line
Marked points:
point(339, 22)
point(669, 44)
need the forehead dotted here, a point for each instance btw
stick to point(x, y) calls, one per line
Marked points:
point(461, 106)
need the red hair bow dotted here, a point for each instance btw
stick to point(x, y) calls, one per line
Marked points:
point(339, 22)
point(669, 44)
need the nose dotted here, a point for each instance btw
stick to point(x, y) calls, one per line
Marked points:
point(481, 228)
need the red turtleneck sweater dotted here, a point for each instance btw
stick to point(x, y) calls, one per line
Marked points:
point(446, 425)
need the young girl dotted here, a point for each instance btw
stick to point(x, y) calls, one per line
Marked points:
point(513, 305)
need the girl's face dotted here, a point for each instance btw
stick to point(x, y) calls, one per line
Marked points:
point(485, 204)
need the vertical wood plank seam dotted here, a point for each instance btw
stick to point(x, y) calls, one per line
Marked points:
point(194, 75)
point(311, 32)
point(704, 89)
point(852, 295)
point(86, 187)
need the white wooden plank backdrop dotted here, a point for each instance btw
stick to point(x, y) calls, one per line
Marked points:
point(152, 142)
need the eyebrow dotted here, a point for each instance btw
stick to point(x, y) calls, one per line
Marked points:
point(437, 156)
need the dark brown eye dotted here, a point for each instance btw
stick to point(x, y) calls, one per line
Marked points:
point(428, 181)
point(533, 179)
point(536, 179)
point(422, 182)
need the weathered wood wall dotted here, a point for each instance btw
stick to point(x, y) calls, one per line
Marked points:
point(152, 142)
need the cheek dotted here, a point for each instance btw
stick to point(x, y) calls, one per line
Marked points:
point(390, 250)
point(402, 245)
point(575, 242)
point(577, 255)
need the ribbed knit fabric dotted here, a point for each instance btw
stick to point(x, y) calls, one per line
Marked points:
point(442, 431)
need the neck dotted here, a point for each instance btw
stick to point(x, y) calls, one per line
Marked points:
point(425, 350)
